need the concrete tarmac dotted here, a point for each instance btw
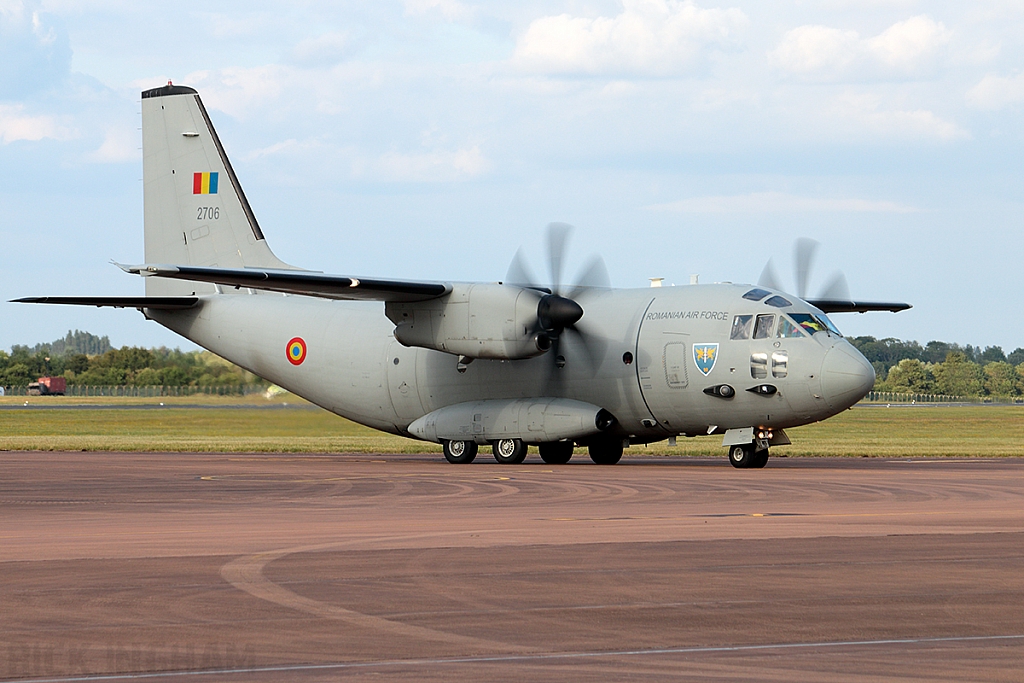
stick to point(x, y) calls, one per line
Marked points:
point(221, 567)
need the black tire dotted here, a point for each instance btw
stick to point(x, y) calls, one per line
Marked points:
point(606, 452)
point(741, 455)
point(760, 459)
point(459, 452)
point(556, 452)
point(509, 451)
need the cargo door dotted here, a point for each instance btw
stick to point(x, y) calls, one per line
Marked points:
point(662, 359)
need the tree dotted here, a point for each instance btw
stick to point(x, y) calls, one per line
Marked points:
point(1016, 357)
point(958, 376)
point(1001, 379)
point(911, 376)
point(992, 354)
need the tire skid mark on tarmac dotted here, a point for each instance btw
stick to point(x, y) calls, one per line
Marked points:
point(246, 574)
point(577, 655)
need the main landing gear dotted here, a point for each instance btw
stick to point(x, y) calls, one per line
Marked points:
point(745, 456)
point(459, 452)
point(509, 451)
point(556, 453)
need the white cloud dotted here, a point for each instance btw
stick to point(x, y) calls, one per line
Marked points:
point(35, 52)
point(865, 112)
point(237, 90)
point(906, 48)
point(325, 49)
point(810, 49)
point(120, 144)
point(997, 92)
point(451, 10)
point(432, 166)
point(779, 202)
point(15, 125)
point(649, 37)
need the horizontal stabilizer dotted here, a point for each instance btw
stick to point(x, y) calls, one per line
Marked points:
point(163, 303)
point(304, 282)
point(841, 306)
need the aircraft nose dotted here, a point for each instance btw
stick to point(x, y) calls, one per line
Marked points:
point(846, 376)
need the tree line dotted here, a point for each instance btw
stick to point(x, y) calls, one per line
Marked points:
point(128, 365)
point(900, 366)
point(943, 368)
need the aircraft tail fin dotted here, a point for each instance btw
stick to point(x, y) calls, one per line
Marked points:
point(195, 211)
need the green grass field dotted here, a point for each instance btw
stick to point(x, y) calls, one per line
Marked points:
point(222, 426)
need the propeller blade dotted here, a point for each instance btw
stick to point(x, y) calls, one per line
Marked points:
point(518, 273)
point(803, 258)
point(593, 347)
point(768, 277)
point(558, 238)
point(836, 289)
point(593, 276)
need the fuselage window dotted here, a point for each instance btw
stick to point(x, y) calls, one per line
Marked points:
point(763, 326)
point(741, 325)
point(778, 302)
point(780, 363)
point(787, 329)
point(756, 294)
point(809, 322)
point(759, 365)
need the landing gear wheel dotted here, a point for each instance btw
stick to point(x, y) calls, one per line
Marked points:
point(556, 453)
point(459, 452)
point(509, 451)
point(742, 455)
point(606, 452)
point(760, 459)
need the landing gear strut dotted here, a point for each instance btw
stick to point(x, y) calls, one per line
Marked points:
point(744, 456)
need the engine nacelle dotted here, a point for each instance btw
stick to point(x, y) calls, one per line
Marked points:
point(475, 320)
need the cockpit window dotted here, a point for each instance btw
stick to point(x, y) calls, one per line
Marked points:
point(787, 329)
point(810, 323)
point(832, 328)
point(763, 326)
point(756, 294)
point(778, 302)
point(741, 325)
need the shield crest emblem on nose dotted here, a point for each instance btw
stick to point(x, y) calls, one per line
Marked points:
point(704, 356)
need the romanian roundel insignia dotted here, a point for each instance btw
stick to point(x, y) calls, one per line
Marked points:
point(296, 351)
point(705, 355)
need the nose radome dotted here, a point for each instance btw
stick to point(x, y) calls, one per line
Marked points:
point(846, 376)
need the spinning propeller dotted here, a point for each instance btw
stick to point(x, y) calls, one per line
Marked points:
point(834, 296)
point(803, 260)
point(557, 309)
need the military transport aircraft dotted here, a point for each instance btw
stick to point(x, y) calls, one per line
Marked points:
point(506, 364)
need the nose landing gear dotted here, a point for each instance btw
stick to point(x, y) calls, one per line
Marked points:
point(745, 456)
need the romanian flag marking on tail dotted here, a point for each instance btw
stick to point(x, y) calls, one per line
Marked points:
point(204, 183)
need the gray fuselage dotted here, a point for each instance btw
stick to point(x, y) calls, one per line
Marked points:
point(652, 349)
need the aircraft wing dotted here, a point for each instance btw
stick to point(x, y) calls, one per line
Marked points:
point(305, 282)
point(841, 306)
point(165, 303)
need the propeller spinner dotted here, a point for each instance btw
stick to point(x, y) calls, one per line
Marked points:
point(557, 308)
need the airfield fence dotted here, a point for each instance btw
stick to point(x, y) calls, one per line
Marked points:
point(894, 397)
point(150, 391)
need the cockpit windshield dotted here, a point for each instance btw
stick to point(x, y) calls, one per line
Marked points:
point(815, 323)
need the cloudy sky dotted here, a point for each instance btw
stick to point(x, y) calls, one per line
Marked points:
point(431, 138)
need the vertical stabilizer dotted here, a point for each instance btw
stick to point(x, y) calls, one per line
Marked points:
point(195, 211)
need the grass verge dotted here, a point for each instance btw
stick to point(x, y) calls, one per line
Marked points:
point(981, 431)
